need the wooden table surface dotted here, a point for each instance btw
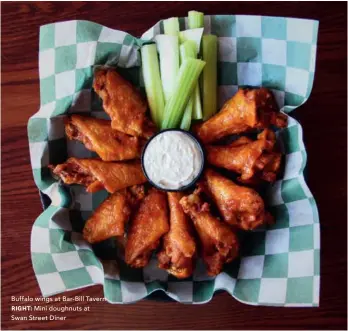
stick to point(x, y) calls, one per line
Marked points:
point(323, 117)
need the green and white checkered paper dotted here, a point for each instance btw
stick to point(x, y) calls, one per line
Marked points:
point(279, 266)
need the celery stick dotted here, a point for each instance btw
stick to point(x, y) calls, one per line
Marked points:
point(187, 117)
point(185, 84)
point(197, 112)
point(209, 47)
point(192, 34)
point(153, 84)
point(196, 36)
point(187, 51)
point(171, 26)
point(168, 49)
point(195, 19)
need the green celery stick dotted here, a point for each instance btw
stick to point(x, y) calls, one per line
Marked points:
point(186, 81)
point(195, 19)
point(187, 117)
point(153, 83)
point(209, 50)
point(187, 51)
point(194, 35)
point(171, 26)
point(168, 49)
point(197, 112)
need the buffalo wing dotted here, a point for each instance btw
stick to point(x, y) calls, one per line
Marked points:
point(110, 218)
point(123, 103)
point(219, 244)
point(149, 224)
point(247, 157)
point(96, 175)
point(179, 246)
point(98, 136)
point(239, 206)
point(248, 109)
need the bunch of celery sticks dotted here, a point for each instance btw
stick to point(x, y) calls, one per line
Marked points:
point(172, 79)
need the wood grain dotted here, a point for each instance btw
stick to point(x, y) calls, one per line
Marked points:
point(324, 118)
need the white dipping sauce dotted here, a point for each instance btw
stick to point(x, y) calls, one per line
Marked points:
point(172, 159)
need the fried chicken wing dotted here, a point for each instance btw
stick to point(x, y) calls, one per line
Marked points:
point(110, 218)
point(149, 224)
point(96, 175)
point(98, 136)
point(248, 157)
point(248, 109)
point(239, 206)
point(219, 244)
point(179, 247)
point(123, 103)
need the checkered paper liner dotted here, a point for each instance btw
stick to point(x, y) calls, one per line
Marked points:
point(278, 266)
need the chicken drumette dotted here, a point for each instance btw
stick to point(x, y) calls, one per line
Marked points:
point(219, 244)
point(240, 206)
point(179, 247)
